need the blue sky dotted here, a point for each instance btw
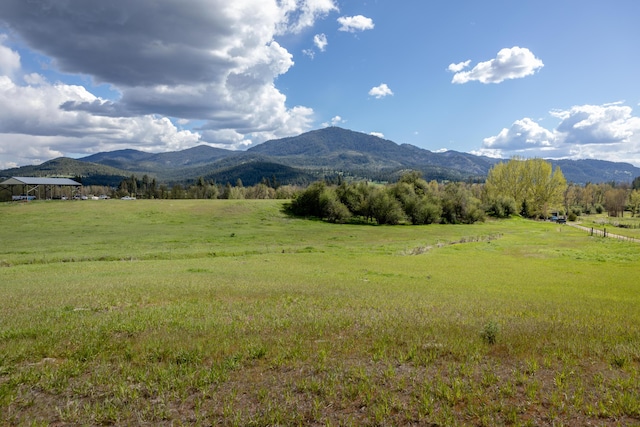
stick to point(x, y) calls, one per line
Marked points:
point(552, 79)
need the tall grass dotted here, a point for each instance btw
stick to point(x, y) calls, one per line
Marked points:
point(231, 313)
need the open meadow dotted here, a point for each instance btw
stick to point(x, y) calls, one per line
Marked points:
point(627, 226)
point(230, 312)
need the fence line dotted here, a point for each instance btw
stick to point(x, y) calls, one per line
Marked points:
point(604, 233)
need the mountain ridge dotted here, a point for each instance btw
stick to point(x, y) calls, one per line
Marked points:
point(315, 154)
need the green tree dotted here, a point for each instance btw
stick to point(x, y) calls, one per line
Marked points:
point(502, 207)
point(357, 198)
point(200, 188)
point(211, 191)
point(177, 191)
point(237, 193)
point(385, 208)
point(144, 188)
point(615, 200)
point(320, 201)
point(508, 179)
point(530, 183)
point(331, 208)
point(459, 205)
point(123, 188)
point(307, 202)
point(634, 202)
point(260, 191)
point(547, 186)
point(226, 191)
point(152, 192)
point(163, 191)
point(133, 186)
point(419, 203)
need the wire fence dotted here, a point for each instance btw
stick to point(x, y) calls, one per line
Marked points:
point(604, 233)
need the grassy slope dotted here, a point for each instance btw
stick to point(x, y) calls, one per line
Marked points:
point(230, 312)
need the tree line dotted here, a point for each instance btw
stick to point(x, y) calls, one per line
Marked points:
point(149, 188)
point(530, 188)
point(612, 198)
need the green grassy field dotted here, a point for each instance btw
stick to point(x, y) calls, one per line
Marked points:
point(232, 313)
point(628, 226)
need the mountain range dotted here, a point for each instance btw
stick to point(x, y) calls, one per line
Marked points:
point(322, 153)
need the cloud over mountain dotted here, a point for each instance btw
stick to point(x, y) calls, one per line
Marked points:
point(608, 132)
point(211, 62)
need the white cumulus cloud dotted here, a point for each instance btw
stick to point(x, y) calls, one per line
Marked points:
point(32, 116)
point(351, 24)
point(510, 63)
point(298, 14)
point(219, 71)
point(380, 91)
point(320, 41)
point(9, 59)
point(455, 68)
point(606, 132)
point(335, 121)
point(597, 124)
point(523, 134)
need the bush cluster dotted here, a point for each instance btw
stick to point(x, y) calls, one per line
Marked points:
point(411, 200)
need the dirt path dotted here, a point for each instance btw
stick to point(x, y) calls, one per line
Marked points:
point(596, 232)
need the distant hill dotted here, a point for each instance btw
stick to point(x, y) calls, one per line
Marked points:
point(595, 171)
point(328, 142)
point(134, 160)
point(88, 173)
point(254, 172)
point(334, 148)
point(312, 155)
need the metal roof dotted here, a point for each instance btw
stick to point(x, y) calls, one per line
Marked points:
point(22, 180)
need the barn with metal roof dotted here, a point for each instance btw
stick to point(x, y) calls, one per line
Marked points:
point(29, 188)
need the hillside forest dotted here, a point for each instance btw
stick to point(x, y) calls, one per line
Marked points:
point(531, 188)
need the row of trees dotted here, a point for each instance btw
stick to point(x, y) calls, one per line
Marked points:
point(613, 198)
point(148, 188)
point(530, 188)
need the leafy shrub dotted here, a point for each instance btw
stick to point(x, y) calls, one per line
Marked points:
point(459, 206)
point(418, 204)
point(332, 208)
point(502, 207)
point(386, 209)
point(489, 332)
point(307, 202)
